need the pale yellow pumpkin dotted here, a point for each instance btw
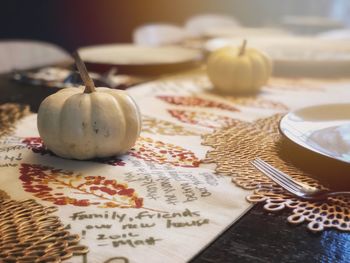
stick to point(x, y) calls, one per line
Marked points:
point(84, 125)
point(235, 69)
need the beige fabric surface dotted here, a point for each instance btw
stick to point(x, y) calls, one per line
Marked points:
point(158, 203)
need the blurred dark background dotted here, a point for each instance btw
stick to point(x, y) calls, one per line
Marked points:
point(75, 23)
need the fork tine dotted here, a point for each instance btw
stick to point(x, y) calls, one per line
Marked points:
point(277, 180)
point(280, 174)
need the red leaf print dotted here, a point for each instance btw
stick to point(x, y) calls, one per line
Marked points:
point(257, 102)
point(68, 188)
point(205, 119)
point(196, 102)
point(163, 153)
point(145, 148)
point(37, 146)
point(162, 127)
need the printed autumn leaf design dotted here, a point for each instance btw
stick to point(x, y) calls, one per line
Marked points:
point(37, 146)
point(256, 102)
point(145, 148)
point(196, 102)
point(68, 188)
point(163, 153)
point(297, 84)
point(156, 126)
point(205, 119)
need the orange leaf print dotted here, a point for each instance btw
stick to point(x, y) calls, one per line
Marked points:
point(68, 188)
point(196, 102)
point(257, 102)
point(145, 148)
point(37, 146)
point(204, 119)
point(156, 126)
point(163, 153)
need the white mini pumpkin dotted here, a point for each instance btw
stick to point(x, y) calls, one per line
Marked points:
point(79, 125)
point(234, 69)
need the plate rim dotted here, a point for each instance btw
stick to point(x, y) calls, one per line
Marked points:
point(304, 145)
point(196, 58)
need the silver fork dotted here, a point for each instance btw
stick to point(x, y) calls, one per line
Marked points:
point(294, 187)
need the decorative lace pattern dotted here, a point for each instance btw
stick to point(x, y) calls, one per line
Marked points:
point(9, 114)
point(29, 233)
point(233, 149)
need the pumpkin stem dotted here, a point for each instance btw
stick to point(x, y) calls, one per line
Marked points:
point(89, 83)
point(242, 49)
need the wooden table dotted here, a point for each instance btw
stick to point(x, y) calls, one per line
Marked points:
point(258, 236)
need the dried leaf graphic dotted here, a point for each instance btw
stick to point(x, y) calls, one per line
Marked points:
point(196, 102)
point(37, 146)
point(298, 84)
point(256, 102)
point(156, 126)
point(145, 148)
point(68, 188)
point(204, 119)
point(163, 153)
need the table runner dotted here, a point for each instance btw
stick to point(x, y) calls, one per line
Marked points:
point(160, 201)
point(155, 203)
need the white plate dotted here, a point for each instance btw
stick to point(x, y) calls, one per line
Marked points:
point(324, 129)
point(128, 54)
point(140, 60)
point(243, 32)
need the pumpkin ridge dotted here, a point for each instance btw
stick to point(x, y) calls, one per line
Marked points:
point(251, 71)
point(112, 110)
point(257, 69)
point(127, 104)
point(118, 104)
point(71, 145)
point(60, 138)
